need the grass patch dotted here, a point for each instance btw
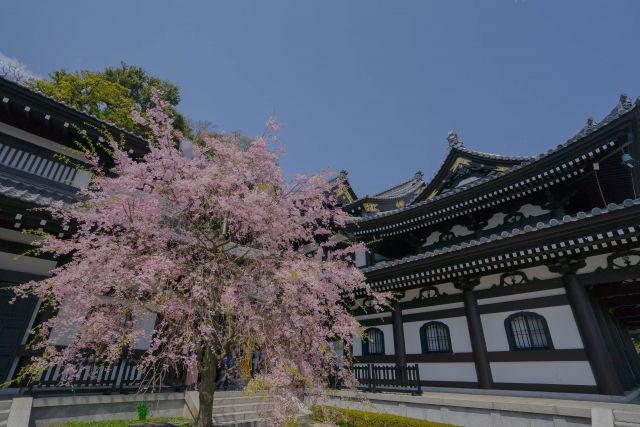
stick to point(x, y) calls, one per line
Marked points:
point(353, 418)
point(125, 423)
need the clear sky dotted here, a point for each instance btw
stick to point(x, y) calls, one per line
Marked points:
point(372, 87)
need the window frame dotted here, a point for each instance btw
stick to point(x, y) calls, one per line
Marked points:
point(365, 343)
point(424, 341)
point(511, 338)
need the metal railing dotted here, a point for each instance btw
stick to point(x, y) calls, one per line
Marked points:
point(121, 377)
point(389, 378)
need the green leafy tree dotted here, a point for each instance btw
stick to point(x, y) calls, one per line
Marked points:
point(91, 93)
point(112, 94)
point(139, 82)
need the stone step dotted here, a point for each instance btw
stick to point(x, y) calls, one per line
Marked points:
point(252, 422)
point(237, 399)
point(236, 416)
point(256, 422)
point(623, 424)
point(627, 417)
point(3, 423)
point(236, 407)
point(5, 404)
point(4, 414)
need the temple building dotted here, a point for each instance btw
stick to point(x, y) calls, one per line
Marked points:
point(510, 273)
point(37, 133)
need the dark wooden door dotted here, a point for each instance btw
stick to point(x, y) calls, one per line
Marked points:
point(14, 321)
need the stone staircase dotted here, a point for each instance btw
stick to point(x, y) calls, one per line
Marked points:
point(234, 409)
point(5, 407)
point(626, 419)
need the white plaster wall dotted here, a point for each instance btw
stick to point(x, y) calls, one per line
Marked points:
point(495, 220)
point(448, 288)
point(575, 373)
point(459, 230)
point(487, 282)
point(433, 308)
point(562, 327)
point(447, 372)
point(458, 330)
point(433, 237)
point(357, 345)
point(532, 210)
point(26, 264)
point(540, 273)
point(374, 316)
point(518, 297)
point(599, 261)
point(387, 332)
point(147, 323)
point(411, 294)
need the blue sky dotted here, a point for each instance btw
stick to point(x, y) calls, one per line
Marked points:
point(372, 87)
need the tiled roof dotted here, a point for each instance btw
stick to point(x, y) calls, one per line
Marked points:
point(506, 234)
point(624, 106)
point(401, 189)
point(38, 194)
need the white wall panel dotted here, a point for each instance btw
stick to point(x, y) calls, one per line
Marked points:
point(433, 308)
point(387, 330)
point(357, 345)
point(562, 327)
point(458, 329)
point(147, 323)
point(26, 264)
point(532, 210)
point(447, 372)
point(518, 297)
point(374, 316)
point(561, 373)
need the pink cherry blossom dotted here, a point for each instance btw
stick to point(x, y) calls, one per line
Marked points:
point(221, 250)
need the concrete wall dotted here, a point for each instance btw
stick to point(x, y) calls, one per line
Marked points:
point(470, 413)
point(47, 411)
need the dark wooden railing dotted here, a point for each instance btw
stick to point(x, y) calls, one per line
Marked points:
point(121, 377)
point(389, 378)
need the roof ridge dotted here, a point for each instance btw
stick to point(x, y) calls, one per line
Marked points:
point(417, 175)
point(623, 107)
point(74, 108)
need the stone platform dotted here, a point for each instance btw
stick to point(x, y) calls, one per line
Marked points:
point(478, 410)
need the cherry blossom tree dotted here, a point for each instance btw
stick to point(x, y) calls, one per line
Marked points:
point(226, 253)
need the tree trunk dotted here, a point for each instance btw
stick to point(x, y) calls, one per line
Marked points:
point(207, 389)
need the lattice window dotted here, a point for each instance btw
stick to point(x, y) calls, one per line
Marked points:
point(435, 338)
point(528, 331)
point(373, 343)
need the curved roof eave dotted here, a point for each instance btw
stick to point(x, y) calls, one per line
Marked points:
point(624, 106)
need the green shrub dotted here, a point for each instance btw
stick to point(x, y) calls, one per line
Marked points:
point(353, 418)
point(143, 410)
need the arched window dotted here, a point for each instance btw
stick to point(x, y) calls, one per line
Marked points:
point(373, 342)
point(435, 338)
point(527, 331)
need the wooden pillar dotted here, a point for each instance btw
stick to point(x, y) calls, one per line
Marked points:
point(594, 345)
point(478, 343)
point(398, 335)
point(630, 351)
point(623, 371)
point(621, 350)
